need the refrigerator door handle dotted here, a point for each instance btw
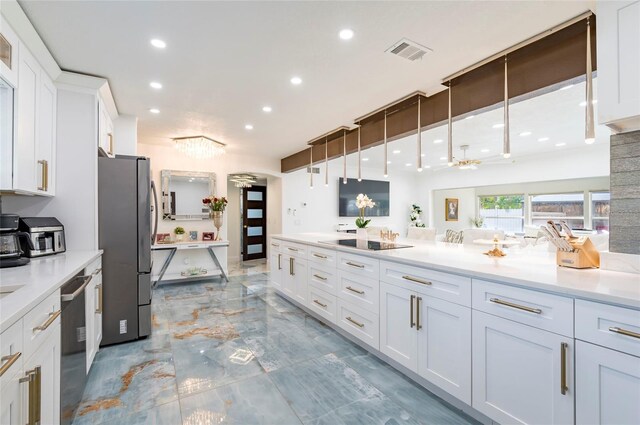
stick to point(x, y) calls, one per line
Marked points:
point(154, 207)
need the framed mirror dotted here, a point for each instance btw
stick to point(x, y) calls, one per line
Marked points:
point(182, 194)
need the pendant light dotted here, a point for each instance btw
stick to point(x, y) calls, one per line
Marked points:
point(450, 133)
point(344, 156)
point(419, 160)
point(311, 167)
point(359, 155)
point(506, 148)
point(386, 165)
point(589, 130)
point(326, 163)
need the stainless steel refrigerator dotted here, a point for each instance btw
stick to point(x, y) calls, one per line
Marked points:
point(125, 235)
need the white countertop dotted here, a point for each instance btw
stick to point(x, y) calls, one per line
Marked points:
point(526, 267)
point(37, 280)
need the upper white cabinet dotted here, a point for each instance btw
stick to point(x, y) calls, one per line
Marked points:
point(46, 137)
point(10, 45)
point(619, 64)
point(24, 171)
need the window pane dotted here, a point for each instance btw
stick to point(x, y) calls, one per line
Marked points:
point(254, 249)
point(254, 231)
point(254, 196)
point(503, 212)
point(600, 211)
point(559, 206)
point(254, 213)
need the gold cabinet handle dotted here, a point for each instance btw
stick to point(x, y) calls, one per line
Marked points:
point(52, 317)
point(44, 181)
point(319, 277)
point(33, 377)
point(279, 258)
point(624, 332)
point(357, 291)
point(99, 307)
point(563, 368)
point(110, 137)
point(291, 260)
point(360, 266)
point(324, 257)
point(418, 324)
point(97, 271)
point(415, 279)
point(358, 324)
point(517, 306)
point(411, 324)
point(10, 360)
point(292, 249)
point(320, 304)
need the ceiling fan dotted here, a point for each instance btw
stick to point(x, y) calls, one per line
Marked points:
point(464, 163)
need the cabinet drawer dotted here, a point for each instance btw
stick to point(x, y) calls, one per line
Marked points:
point(359, 322)
point(538, 309)
point(322, 278)
point(294, 249)
point(11, 351)
point(359, 291)
point(93, 266)
point(325, 257)
point(609, 326)
point(40, 322)
point(362, 266)
point(275, 245)
point(446, 286)
point(322, 303)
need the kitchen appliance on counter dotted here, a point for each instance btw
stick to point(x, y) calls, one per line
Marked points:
point(124, 208)
point(11, 253)
point(370, 245)
point(46, 234)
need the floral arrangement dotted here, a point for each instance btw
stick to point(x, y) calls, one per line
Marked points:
point(179, 230)
point(478, 221)
point(215, 204)
point(362, 202)
point(414, 216)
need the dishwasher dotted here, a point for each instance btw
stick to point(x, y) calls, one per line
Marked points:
point(73, 358)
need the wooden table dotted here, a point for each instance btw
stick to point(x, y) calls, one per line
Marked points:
point(176, 246)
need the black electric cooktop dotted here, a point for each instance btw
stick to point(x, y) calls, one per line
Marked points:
point(370, 245)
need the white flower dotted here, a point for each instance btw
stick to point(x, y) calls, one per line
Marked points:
point(363, 201)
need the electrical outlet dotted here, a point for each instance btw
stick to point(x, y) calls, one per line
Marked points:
point(123, 327)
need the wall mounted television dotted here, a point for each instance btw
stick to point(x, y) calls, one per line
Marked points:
point(375, 189)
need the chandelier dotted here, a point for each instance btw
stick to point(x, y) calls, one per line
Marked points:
point(242, 180)
point(199, 146)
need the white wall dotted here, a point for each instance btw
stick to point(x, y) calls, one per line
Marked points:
point(316, 210)
point(125, 134)
point(466, 208)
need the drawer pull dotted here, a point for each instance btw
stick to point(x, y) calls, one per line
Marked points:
point(357, 291)
point(563, 368)
point(96, 272)
point(279, 259)
point(360, 266)
point(319, 277)
point(358, 324)
point(291, 272)
point(44, 186)
point(292, 249)
point(99, 307)
point(415, 279)
point(275, 245)
point(33, 377)
point(411, 322)
point(624, 332)
point(418, 324)
point(320, 304)
point(10, 360)
point(77, 292)
point(52, 317)
point(518, 306)
point(324, 257)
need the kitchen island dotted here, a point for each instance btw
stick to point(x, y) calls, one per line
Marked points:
point(514, 338)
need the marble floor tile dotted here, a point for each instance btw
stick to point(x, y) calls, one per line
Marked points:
point(254, 401)
point(165, 414)
point(368, 411)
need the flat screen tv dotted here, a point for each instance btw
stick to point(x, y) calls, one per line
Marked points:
point(375, 189)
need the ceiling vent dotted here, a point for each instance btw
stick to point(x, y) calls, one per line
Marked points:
point(408, 49)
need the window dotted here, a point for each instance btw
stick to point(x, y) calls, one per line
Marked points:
point(560, 206)
point(502, 212)
point(600, 211)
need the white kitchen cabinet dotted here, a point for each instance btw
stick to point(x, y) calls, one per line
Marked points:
point(9, 65)
point(24, 173)
point(275, 269)
point(294, 277)
point(607, 386)
point(11, 350)
point(93, 311)
point(619, 64)
point(11, 411)
point(521, 374)
point(46, 137)
point(398, 336)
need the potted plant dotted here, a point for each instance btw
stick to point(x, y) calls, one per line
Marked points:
point(414, 216)
point(363, 202)
point(179, 231)
point(216, 210)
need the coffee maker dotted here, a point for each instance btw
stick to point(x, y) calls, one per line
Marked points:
point(11, 254)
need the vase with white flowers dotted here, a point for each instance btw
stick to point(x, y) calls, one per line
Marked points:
point(414, 216)
point(363, 202)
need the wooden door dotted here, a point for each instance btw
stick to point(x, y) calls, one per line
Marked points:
point(254, 223)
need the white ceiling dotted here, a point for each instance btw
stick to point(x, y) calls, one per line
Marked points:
point(225, 60)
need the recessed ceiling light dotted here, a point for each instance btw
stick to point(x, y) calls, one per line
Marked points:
point(437, 141)
point(156, 42)
point(525, 134)
point(296, 81)
point(266, 108)
point(408, 164)
point(470, 117)
point(427, 166)
point(485, 150)
point(396, 151)
point(584, 102)
point(346, 34)
point(567, 87)
point(365, 159)
point(560, 144)
point(443, 158)
point(248, 127)
point(155, 85)
point(499, 125)
point(543, 139)
point(154, 110)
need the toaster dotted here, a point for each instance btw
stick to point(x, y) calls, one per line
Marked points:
point(46, 235)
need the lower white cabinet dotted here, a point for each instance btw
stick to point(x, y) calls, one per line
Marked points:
point(521, 374)
point(294, 277)
point(93, 312)
point(43, 368)
point(607, 386)
point(275, 269)
point(430, 336)
point(11, 412)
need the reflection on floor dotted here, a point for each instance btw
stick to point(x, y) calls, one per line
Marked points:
point(238, 353)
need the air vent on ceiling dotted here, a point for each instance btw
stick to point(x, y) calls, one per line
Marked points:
point(408, 49)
